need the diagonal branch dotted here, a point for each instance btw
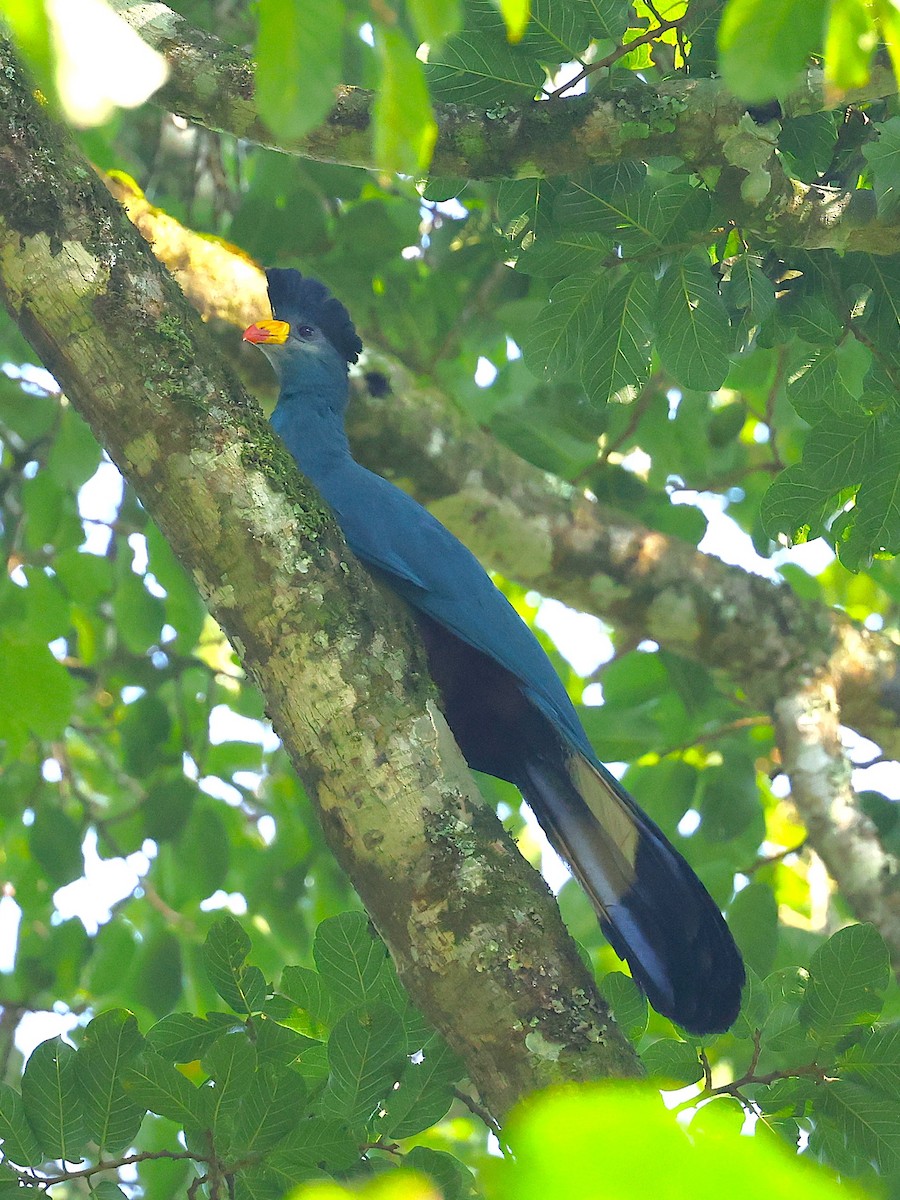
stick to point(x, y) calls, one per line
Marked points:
point(474, 932)
point(696, 119)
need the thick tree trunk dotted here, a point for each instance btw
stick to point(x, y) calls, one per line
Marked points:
point(475, 934)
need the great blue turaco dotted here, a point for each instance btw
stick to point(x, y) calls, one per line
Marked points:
point(507, 707)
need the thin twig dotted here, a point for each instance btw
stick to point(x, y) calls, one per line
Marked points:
point(116, 1164)
point(613, 57)
point(474, 1106)
point(750, 1079)
point(769, 860)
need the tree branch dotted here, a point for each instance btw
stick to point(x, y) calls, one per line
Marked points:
point(475, 935)
point(808, 730)
point(212, 83)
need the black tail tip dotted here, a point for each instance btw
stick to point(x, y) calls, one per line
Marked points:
point(697, 986)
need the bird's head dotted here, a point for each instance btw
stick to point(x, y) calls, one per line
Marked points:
point(311, 333)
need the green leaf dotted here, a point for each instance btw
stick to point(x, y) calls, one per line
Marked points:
point(730, 804)
point(807, 144)
point(50, 514)
point(231, 1062)
point(629, 1005)
point(814, 319)
point(19, 1142)
point(751, 289)
point(55, 841)
point(883, 157)
point(694, 337)
point(556, 338)
point(160, 1087)
point(139, 616)
point(184, 609)
point(31, 417)
point(144, 731)
point(284, 1047)
point(793, 505)
point(224, 951)
point(425, 1090)
point(567, 254)
point(351, 958)
point(182, 1037)
point(270, 1110)
point(816, 384)
point(889, 25)
point(167, 806)
point(111, 1042)
point(678, 1062)
point(29, 25)
point(753, 920)
point(595, 200)
point(366, 1052)
point(75, 454)
point(523, 205)
point(876, 527)
point(106, 1190)
point(849, 42)
point(257, 1183)
point(866, 1122)
point(310, 992)
point(875, 1061)
point(434, 20)
point(316, 1142)
point(52, 1101)
point(559, 31)
point(608, 18)
point(645, 1151)
point(515, 14)
point(158, 982)
point(452, 1177)
point(616, 360)
point(764, 44)
point(204, 843)
point(846, 978)
point(479, 67)
point(36, 691)
point(405, 129)
point(299, 63)
point(47, 611)
point(840, 452)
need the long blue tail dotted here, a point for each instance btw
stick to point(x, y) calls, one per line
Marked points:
point(652, 907)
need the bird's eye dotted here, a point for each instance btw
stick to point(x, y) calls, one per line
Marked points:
point(304, 331)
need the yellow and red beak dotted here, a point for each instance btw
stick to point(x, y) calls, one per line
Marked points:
point(267, 333)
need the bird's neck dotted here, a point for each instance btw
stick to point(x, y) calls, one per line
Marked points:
point(309, 419)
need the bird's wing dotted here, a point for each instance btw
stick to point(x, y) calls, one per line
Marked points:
point(434, 572)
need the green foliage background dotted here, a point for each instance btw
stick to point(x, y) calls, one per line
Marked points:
point(648, 317)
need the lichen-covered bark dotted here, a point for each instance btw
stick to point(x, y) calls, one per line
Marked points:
point(696, 119)
point(476, 936)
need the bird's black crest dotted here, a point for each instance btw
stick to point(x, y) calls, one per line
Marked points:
point(305, 301)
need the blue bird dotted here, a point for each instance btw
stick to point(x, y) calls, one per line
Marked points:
point(508, 709)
